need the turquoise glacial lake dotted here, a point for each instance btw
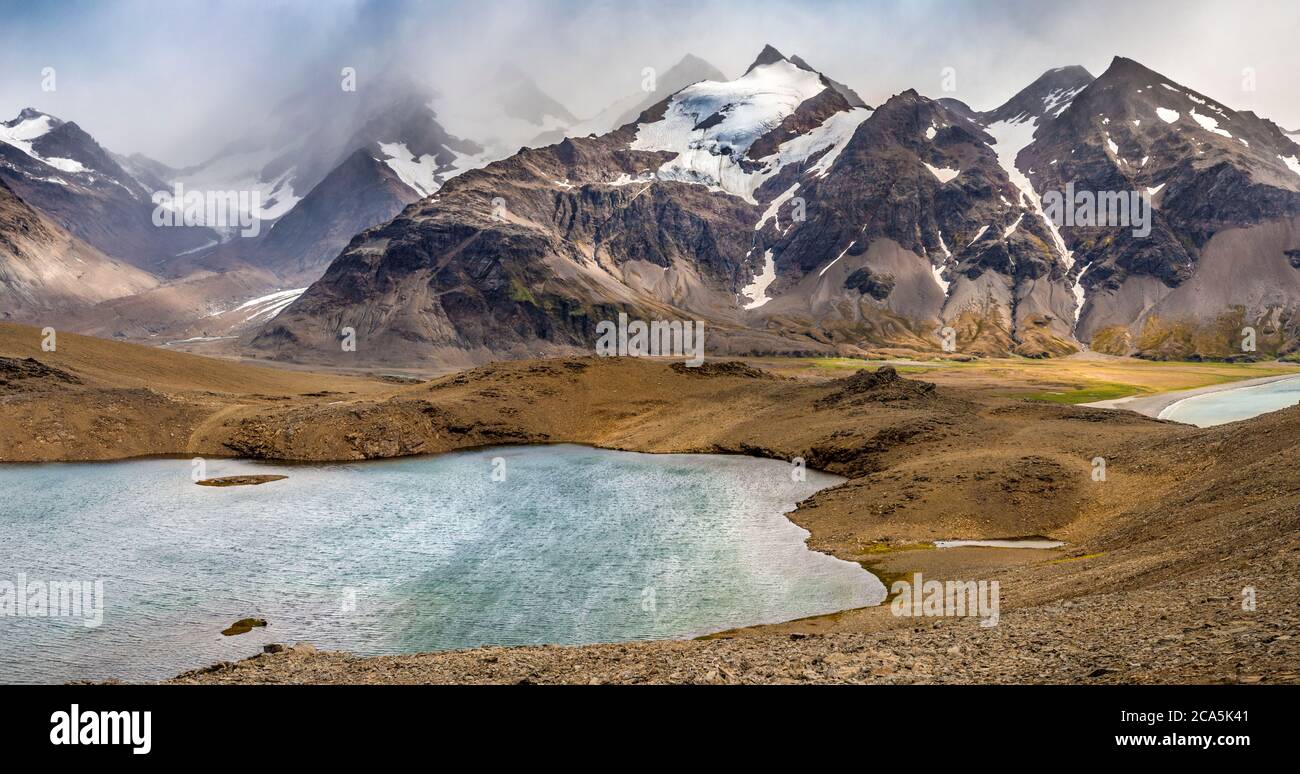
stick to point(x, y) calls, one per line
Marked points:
point(564, 544)
point(1217, 408)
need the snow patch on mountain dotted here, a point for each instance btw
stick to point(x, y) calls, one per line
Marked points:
point(242, 172)
point(420, 174)
point(836, 260)
point(1080, 294)
point(269, 306)
point(1167, 115)
point(1209, 124)
point(937, 272)
point(24, 132)
point(1058, 101)
point(835, 131)
point(624, 179)
point(710, 125)
point(205, 246)
point(1010, 137)
point(1012, 228)
point(773, 210)
point(278, 197)
point(756, 291)
point(943, 174)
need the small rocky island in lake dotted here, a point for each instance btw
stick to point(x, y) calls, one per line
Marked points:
point(243, 626)
point(238, 480)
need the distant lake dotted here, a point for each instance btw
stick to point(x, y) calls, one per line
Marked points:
point(1233, 405)
point(574, 545)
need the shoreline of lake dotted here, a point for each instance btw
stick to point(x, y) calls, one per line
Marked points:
point(1154, 405)
point(569, 545)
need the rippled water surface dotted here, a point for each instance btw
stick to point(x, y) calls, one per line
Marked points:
point(576, 545)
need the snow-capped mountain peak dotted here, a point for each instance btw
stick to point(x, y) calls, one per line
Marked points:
point(689, 69)
point(24, 131)
point(1047, 97)
point(723, 131)
point(769, 55)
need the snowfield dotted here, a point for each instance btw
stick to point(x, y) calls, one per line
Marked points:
point(22, 134)
point(711, 126)
point(756, 291)
point(943, 284)
point(1209, 124)
point(266, 307)
point(1011, 137)
point(421, 174)
point(243, 172)
point(943, 174)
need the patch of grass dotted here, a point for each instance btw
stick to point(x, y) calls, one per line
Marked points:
point(889, 548)
point(1089, 394)
point(520, 293)
point(839, 363)
point(887, 578)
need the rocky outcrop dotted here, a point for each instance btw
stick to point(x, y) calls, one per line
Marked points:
point(1224, 202)
point(14, 370)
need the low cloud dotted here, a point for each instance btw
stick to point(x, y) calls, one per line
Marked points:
point(179, 81)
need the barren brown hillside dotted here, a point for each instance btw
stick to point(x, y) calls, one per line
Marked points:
point(1148, 587)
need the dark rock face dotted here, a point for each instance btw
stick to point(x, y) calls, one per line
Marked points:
point(886, 185)
point(864, 281)
point(1209, 170)
point(769, 55)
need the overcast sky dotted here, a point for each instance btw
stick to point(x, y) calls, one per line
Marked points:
point(178, 79)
